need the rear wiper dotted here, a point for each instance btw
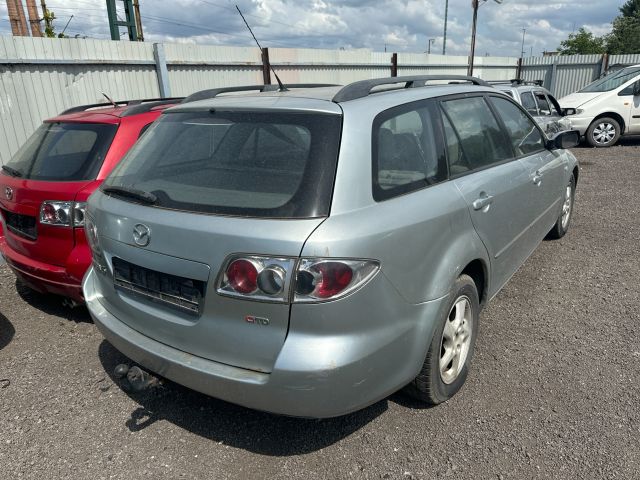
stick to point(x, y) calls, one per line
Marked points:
point(11, 171)
point(141, 195)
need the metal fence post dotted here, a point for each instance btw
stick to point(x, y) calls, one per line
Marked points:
point(266, 67)
point(394, 65)
point(552, 80)
point(604, 64)
point(161, 70)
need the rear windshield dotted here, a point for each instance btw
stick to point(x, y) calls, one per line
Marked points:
point(64, 152)
point(610, 82)
point(236, 163)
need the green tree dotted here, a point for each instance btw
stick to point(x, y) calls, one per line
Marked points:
point(631, 8)
point(625, 36)
point(582, 43)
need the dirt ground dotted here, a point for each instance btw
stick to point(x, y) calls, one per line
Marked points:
point(554, 391)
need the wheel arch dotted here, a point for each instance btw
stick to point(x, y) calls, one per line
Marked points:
point(616, 116)
point(479, 273)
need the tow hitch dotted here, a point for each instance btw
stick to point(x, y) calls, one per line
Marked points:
point(134, 379)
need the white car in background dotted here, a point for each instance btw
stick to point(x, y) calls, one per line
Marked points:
point(607, 108)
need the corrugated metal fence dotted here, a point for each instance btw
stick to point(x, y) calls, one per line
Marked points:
point(40, 77)
point(563, 75)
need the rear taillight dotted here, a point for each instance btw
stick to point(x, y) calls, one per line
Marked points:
point(62, 214)
point(255, 277)
point(319, 279)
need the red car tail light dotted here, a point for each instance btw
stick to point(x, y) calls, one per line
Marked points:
point(242, 276)
point(62, 214)
point(256, 277)
point(322, 279)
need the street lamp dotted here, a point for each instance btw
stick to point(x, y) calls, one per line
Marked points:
point(475, 4)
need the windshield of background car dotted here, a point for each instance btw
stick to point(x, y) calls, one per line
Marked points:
point(64, 152)
point(279, 165)
point(610, 82)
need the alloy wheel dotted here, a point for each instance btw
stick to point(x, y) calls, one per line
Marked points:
point(456, 340)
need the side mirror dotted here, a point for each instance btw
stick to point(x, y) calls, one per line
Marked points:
point(566, 139)
point(569, 111)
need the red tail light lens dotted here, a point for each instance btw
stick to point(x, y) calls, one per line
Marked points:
point(242, 276)
point(334, 278)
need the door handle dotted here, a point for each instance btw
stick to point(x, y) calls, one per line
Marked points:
point(483, 201)
point(537, 178)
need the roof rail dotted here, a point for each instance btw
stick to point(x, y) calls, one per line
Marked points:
point(363, 88)
point(520, 81)
point(214, 92)
point(124, 103)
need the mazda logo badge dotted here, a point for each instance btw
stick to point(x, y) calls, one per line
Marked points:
point(8, 192)
point(141, 235)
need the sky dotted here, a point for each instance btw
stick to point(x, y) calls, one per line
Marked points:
point(397, 25)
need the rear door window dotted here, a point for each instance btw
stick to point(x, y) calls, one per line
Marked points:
point(481, 138)
point(64, 151)
point(406, 155)
point(529, 103)
point(543, 104)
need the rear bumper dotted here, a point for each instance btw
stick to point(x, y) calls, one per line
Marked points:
point(315, 376)
point(47, 278)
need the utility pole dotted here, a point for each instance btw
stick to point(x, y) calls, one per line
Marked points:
point(431, 40)
point(475, 4)
point(136, 8)
point(524, 30)
point(444, 41)
point(48, 19)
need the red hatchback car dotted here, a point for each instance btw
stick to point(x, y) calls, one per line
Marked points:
point(43, 189)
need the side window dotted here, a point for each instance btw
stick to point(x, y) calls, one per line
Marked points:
point(483, 141)
point(529, 103)
point(144, 129)
point(543, 103)
point(628, 90)
point(525, 136)
point(405, 154)
point(458, 163)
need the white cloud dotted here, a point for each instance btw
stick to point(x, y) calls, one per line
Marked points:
point(404, 25)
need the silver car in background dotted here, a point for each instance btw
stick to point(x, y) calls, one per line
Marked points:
point(311, 251)
point(538, 102)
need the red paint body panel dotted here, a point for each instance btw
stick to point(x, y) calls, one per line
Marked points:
point(58, 258)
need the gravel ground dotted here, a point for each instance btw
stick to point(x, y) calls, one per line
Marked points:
point(553, 392)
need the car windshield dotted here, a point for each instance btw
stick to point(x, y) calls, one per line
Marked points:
point(63, 152)
point(608, 83)
point(235, 163)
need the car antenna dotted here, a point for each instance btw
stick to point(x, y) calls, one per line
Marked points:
point(281, 86)
point(109, 99)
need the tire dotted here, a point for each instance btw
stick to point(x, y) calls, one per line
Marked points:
point(603, 132)
point(561, 227)
point(434, 385)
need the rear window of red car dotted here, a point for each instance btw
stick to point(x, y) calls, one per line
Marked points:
point(64, 152)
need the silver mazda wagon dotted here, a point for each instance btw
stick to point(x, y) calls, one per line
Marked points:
point(309, 251)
